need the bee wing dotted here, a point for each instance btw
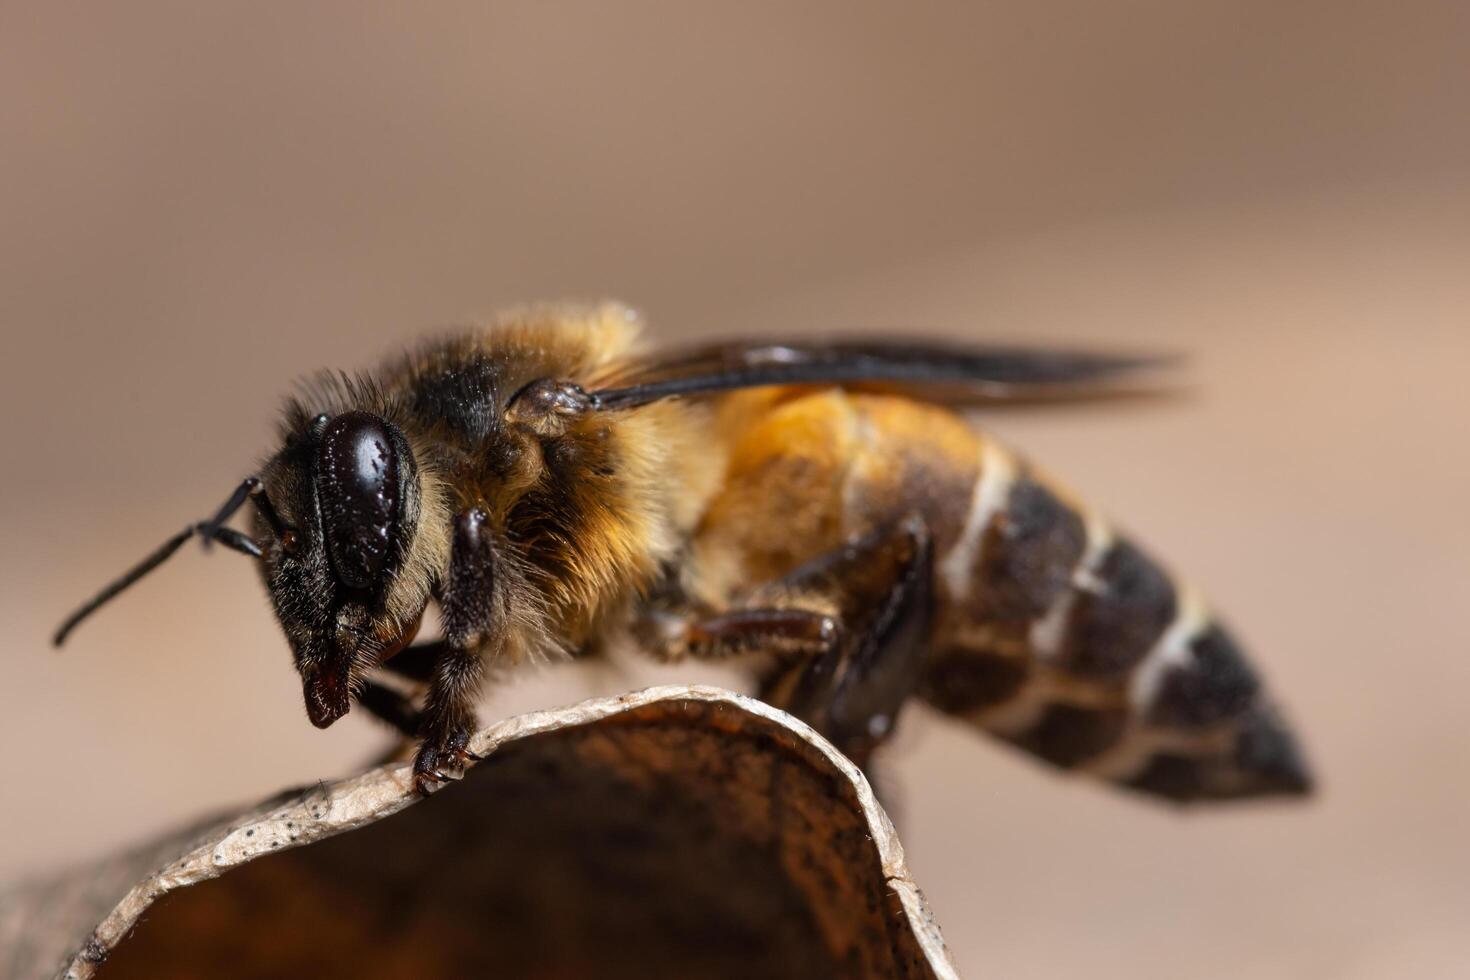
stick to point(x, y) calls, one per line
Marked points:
point(934, 371)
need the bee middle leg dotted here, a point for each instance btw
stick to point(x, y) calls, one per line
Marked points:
point(849, 631)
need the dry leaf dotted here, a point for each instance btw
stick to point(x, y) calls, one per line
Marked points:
point(678, 831)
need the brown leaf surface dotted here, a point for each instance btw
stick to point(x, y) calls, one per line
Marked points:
point(675, 831)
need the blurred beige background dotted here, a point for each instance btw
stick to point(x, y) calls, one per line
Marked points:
point(199, 203)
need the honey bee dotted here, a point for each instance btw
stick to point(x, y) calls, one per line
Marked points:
point(823, 512)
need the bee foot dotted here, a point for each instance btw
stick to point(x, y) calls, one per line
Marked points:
point(431, 769)
point(436, 765)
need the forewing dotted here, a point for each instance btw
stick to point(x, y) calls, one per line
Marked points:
point(932, 370)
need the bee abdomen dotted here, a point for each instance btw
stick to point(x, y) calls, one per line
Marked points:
point(1051, 632)
point(1070, 642)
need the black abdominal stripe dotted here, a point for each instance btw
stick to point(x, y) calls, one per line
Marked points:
point(1068, 641)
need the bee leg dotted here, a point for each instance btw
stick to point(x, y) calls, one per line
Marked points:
point(784, 632)
point(883, 583)
point(389, 706)
point(415, 663)
point(845, 670)
point(470, 609)
point(448, 717)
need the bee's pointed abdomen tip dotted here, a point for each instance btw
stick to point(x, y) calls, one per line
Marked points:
point(1271, 754)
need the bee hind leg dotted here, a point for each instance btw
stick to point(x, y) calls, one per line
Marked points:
point(849, 632)
point(852, 694)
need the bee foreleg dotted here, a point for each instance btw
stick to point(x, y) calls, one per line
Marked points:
point(390, 706)
point(416, 663)
point(469, 611)
point(448, 717)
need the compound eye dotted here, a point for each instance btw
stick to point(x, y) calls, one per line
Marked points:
point(359, 489)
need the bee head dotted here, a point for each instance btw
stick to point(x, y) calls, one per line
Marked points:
point(341, 508)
